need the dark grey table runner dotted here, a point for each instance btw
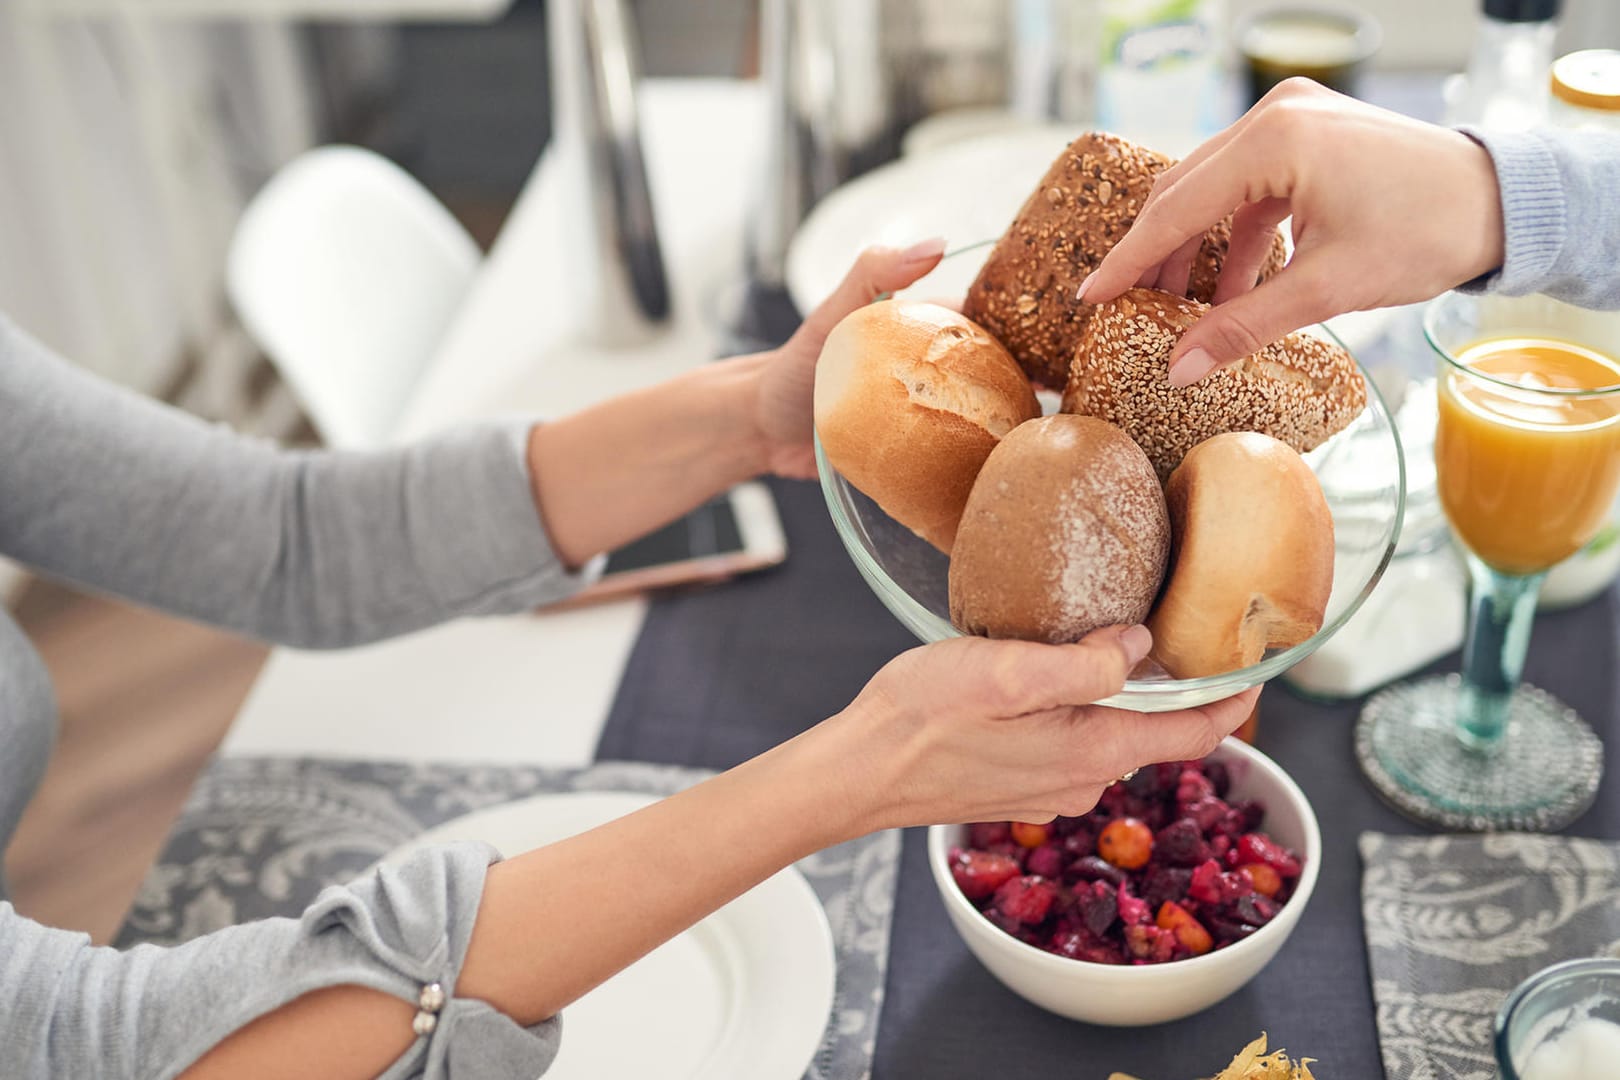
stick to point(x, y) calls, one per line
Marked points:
point(720, 675)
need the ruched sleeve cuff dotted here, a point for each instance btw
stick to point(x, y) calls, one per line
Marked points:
point(150, 1012)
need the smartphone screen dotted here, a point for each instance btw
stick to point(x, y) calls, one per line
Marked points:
point(711, 529)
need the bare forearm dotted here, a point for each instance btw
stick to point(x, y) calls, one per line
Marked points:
point(557, 921)
point(620, 469)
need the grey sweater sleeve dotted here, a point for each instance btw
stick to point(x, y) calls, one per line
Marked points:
point(147, 1013)
point(101, 486)
point(1560, 215)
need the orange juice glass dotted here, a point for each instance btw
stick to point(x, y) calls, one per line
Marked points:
point(1527, 459)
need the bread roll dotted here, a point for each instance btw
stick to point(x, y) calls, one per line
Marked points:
point(1065, 531)
point(1301, 390)
point(1024, 295)
point(1251, 564)
point(910, 399)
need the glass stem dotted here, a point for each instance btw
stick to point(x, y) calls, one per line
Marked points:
point(1501, 608)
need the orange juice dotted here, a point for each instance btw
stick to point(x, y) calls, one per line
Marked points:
point(1527, 477)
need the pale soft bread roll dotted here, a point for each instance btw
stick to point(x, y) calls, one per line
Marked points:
point(1251, 564)
point(910, 399)
point(1065, 531)
point(1025, 294)
point(1301, 389)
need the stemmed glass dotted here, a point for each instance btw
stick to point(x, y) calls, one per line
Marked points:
point(1527, 466)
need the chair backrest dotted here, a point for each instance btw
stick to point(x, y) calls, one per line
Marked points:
point(346, 272)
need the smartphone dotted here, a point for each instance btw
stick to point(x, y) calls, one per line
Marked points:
point(730, 535)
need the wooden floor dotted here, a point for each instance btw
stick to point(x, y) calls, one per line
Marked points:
point(144, 700)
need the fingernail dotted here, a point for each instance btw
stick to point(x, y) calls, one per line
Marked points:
point(1194, 365)
point(1080, 294)
point(926, 249)
point(1136, 641)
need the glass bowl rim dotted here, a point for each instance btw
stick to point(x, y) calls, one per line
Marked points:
point(1557, 973)
point(1431, 313)
point(1230, 682)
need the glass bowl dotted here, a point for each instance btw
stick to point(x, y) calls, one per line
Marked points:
point(1363, 476)
point(1551, 1003)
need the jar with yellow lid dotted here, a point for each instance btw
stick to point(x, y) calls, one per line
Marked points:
point(1585, 96)
point(1585, 89)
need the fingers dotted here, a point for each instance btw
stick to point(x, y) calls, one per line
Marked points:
point(1118, 740)
point(1254, 231)
point(1305, 292)
point(876, 271)
point(1177, 269)
point(1033, 678)
point(1184, 210)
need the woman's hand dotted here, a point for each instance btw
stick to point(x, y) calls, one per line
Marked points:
point(787, 379)
point(1386, 210)
point(978, 730)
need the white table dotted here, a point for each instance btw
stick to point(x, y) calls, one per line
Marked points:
point(532, 688)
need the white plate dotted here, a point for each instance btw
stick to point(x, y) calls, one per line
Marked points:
point(966, 192)
point(744, 993)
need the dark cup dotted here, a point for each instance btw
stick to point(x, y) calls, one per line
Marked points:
point(1322, 42)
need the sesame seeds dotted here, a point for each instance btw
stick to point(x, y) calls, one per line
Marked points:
point(1301, 390)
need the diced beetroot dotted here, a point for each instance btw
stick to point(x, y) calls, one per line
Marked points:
point(1132, 909)
point(1257, 847)
point(1080, 843)
point(1091, 868)
point(1256, 909)
point(982, 834)
point(1097, 905)
point(1208, 878)
point(1083, 946)
point(1181, 844)
point(1165, 883)
point(979, 873)
point(1047, 860)
point(1207, 812)
point(1194, 786)
point(1026, 898)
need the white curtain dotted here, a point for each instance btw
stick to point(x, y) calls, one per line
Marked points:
point(128, 146)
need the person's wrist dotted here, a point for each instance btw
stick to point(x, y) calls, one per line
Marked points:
point(1482, 238)
point(851, 768)
point(736, 393)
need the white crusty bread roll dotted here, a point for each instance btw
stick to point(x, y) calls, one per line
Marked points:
point(910, 399)
point(1251, 561)
point(1065, 532)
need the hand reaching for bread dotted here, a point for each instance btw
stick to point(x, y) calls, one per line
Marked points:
point(1365, 235)
point(1057, 526)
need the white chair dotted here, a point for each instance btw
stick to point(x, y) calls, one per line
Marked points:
point(346, 271)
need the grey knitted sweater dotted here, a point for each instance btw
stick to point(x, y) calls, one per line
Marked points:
point(104, 488)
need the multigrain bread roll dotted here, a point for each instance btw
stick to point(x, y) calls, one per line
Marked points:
point(910, 399)
point(1251, 564)
point(1024, 295)
point(1065, 531)
point(1301, 390)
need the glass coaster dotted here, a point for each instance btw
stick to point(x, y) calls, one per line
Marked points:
point(1543, 774)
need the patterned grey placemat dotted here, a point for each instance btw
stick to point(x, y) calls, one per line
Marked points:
point(1456, 922)
point(262, 836)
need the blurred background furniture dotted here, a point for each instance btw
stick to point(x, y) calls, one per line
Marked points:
point(346, 271)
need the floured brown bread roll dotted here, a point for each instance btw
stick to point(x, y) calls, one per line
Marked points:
point(1301, 389)
point(1024, 295)
point(1065, 531)
point(910, 399)
point(1251, 566)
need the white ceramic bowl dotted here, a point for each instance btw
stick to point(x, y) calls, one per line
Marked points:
point(1126, 996)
